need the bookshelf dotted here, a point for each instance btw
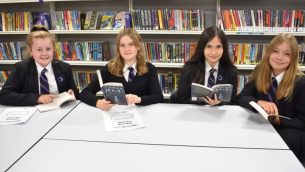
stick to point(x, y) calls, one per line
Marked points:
point(208, 6)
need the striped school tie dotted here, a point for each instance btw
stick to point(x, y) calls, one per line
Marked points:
point(131, 74)
point(211, 79)
point(44, 84)
point(273, 88)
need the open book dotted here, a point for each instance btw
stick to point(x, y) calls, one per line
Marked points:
point(223, 92)
point(57, 102)
point(112, 91)
point(261, 111)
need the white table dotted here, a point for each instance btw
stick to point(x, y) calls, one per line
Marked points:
point(80, 156)
point(18, 139)
point(176, 124)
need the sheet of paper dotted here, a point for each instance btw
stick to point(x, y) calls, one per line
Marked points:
point(16, 115)
point(122, 118)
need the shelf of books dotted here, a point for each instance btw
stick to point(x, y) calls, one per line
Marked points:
point(173, 26)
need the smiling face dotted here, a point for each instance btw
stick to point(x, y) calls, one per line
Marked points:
point(213, 51)
point(42, 51)
point(280, 58)
point(128, 50)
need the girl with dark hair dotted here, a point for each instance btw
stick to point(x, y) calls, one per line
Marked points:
point(210, 58)
point(142, 88)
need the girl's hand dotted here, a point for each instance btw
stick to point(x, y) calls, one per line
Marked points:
point(132, 99)
point(211, 101)
point(46, 98)
point(104, 104)
point(271, 110)
point(71, 92)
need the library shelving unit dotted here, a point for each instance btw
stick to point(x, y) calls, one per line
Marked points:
point(210, 8)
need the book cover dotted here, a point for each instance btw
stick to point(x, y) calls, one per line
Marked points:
point(115, 93)
point(42, 18)
point(223, 92)
point(119, 21)
point(112, 91)
point(107, 20)
point(106, 51)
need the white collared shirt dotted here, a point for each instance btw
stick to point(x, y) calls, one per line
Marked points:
point(126, 71)
point(51, 77)
point(279, 77)
point(207, 72)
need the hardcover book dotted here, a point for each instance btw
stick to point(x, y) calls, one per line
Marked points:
point(223, 92)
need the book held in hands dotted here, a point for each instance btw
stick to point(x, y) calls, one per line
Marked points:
point(57, 102)
point(262, 112)
point(112, 91)
point(223, 92)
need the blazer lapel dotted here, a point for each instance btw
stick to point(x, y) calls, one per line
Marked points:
point(220, 75)
point(33, 77)
point(58, 76)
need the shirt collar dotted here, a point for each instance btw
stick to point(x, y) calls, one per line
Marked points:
point(209, 67)
point(125, 69)
point(40, 68)
point(279, 77)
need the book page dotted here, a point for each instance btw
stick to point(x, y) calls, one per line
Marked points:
point(57, 102)
point(263, 112)
point(16, 115)
point(122, 118)
point(198, 91)
point(259, 109)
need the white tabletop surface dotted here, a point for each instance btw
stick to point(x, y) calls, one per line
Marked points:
point(176, 124)
point(80, 156)
point(17, 139)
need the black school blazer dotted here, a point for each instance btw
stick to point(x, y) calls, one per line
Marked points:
point(22, 88)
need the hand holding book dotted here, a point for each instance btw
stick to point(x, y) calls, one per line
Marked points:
point(270, 117)
point(223, 92)
point(112, 91)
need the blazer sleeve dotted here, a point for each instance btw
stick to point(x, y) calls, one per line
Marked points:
point(11, 93)
point(154, 90)
point(71, 82)
point(247, 95)
point(88, 94)
point(298, 103)
point(184, 86)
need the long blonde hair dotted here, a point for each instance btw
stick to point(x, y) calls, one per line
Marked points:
point(116, 65)
point(262, 73)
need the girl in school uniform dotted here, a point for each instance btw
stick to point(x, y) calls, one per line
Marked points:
point(277, 86)
point(37, 79)
point(141, 89)
point(210, 58)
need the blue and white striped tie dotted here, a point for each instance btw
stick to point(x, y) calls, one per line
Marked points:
point(44, 84)
point(211, 79)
